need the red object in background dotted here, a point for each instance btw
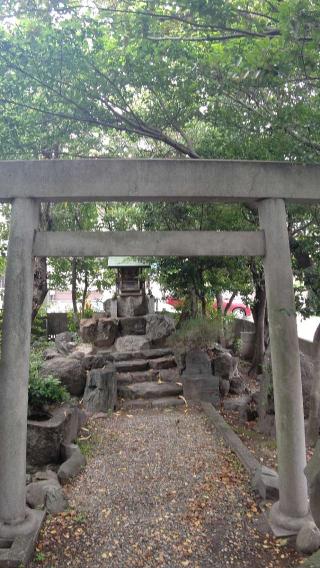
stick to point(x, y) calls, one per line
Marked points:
point(238, 309)
point(174, 302)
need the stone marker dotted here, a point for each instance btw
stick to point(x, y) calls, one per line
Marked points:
point(101, 390)
point(199, 384)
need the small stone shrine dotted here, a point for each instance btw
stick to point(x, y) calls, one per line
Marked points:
point(131, 297)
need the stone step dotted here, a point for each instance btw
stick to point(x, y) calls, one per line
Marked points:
point(137, 377)
point(132, 366)
point(163, 402)
point(149, 390)
point(143, 354)
point(163, 363)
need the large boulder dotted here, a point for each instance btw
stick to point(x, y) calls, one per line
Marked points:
point(70, 370)
point(74, 461)
point(312, 472)
point(47, 492)
point(159, 327)
point(132, 343)
point(65, 342)
point(225, 366)
point(100, 331)
point(307, 375)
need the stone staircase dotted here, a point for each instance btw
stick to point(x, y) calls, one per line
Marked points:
point(148, 379)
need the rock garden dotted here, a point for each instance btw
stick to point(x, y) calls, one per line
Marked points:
point(134, 366)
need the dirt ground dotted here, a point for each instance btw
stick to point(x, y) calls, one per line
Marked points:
point(160, 490)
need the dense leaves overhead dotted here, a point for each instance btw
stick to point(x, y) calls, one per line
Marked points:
point(189, 79)
point(246, 78)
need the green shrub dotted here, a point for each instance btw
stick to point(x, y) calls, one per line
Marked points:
point(43, 391)
point(39, 325)
point(46, 391)
point(72, 324)
point(198, 332)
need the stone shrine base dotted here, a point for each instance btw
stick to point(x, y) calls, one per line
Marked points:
point(17, 552)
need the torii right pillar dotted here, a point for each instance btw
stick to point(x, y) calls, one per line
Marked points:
point(290, 512)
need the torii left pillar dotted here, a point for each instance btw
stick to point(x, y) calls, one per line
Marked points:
point(15, 518)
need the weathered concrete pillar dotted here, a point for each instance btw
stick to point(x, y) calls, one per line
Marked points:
point(293, 506)
point(15, 518)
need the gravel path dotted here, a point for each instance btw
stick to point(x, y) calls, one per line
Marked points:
point(160, 490)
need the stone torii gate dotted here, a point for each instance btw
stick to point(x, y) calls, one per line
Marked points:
point(267, 184)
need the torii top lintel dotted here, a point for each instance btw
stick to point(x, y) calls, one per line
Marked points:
point(158, 180)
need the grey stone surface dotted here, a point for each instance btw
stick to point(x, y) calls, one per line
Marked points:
point(131, 179)
point(247, 339)
point(224, 387)
point(70, 370)
point(46, 493)
point(159, 327)
point(236, 385)
point(50, 353)
point(44, 438)
point(100, 331)
point(21, 548)
point(132, 326)
point(307, 371)
point(101, 390)
point(65, 342)
point(132, 365)
point(225, 366)
point(308, 539)
point(161, 402)
point(237, 404)
point(312, 472)
point(150, 390)
point(197, 362)
point(137, 377)
point(132, 343)
point(199, 384)
point(129, 306)
point(293, 505)
point(266, 483)
point(163, 363)
point(73, 464)
point(245, 456)
point(14, 363)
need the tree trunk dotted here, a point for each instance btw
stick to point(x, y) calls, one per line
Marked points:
point(221, 334)
point(85, 293)
point(193, 303)
point(313, 422)
point(258, 312)
point(203, 306)
point(74, 292)
point(40, 282)
point(40, 286)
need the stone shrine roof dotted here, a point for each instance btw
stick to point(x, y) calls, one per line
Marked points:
point(126, 262)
